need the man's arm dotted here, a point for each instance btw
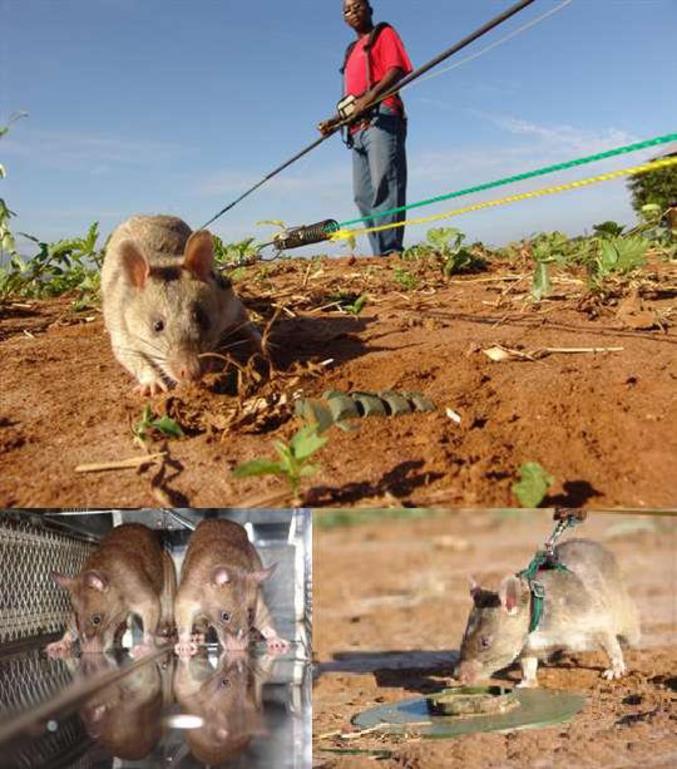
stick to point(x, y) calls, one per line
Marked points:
point(391, 78)
point(362, 103)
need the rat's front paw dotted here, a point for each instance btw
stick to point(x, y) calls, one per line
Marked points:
point(614, 673)
point(59, 649)
point(151, 388)
point(277, 645)
point(185, 648)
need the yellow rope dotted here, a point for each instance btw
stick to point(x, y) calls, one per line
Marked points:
point(641, 169)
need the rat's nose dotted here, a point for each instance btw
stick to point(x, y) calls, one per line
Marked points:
point(238, 642)
point(467, 671)
point(186, 368)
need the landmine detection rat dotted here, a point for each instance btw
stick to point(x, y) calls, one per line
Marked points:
point(164, 305)
point(129, 573)
point(585, 606)
point(221, 586)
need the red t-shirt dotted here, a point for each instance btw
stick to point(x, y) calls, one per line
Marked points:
point(388, 51)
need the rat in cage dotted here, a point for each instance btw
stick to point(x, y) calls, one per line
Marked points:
point(128, 574)
point(221, 587)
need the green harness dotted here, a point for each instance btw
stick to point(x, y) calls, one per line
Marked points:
point(544, 560)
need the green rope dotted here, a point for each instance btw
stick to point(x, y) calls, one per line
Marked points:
point(520, 177)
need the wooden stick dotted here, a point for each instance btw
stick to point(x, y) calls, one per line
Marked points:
point(121, 464)
point(582, 349)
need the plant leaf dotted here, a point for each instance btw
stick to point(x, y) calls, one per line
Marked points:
point(306, 442)
point(258, 467)
point(533, 485)
point(167, 426)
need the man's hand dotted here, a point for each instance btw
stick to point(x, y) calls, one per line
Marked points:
point(327, 126)
point(361, 105)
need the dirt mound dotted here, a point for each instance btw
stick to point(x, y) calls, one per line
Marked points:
point(602, 423)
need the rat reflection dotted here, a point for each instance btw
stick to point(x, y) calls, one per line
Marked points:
point(227, 699)
point(125, 717)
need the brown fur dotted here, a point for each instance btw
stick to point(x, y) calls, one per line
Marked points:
point(129, 573)
point(222, 572)
point(156, 271)
point(229, 701)
point(585, 607)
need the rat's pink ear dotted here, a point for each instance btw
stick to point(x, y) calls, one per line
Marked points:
point(96, 580)
point(63, 581)
point(198, 257)
point(220, 576)
point(134, 264)
point(510, 594)
point(474, 586)
point(263, 574)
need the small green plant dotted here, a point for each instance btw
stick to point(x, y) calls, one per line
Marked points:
point(357, 306)
point(7, 243)
point(448, 244)
point(149, 423)
point(237, 254)
point(57, 268)
point(445, 245)
point(350, 301)
point(617, 255)
point(405, 279)
point(533, 484)
point(547, 248)
point(294, 463)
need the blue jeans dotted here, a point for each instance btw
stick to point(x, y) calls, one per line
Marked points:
point(380, 176)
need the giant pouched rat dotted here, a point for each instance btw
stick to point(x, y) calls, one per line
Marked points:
point(227, 700)
point(221, 586)
point(125, 716)
point(586, 606)
point(128, 574)
point(163, 303)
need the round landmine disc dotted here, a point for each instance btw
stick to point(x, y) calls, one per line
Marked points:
point(537, 708)
point(472, 701)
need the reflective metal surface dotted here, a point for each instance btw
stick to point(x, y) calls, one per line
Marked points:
point(247, 709)
point(100, 710)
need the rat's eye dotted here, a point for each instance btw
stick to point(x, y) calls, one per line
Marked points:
point(224, 683)
point(159, 326)
point(225, 616)
point(485, 642)
point(96, 619)
point(200, 318)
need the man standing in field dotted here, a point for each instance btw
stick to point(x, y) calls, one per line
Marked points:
point(373, 64)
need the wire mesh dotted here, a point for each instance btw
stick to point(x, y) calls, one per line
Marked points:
point(31, 604)
point(65, 747)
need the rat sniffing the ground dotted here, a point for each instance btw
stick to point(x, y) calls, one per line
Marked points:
point(129, 573)
point(164, 305)
point(221, 585)
point(586, 606)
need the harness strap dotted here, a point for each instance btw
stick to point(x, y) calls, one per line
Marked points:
point(543, 560)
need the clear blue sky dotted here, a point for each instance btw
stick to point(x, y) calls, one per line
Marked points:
point(177, 106)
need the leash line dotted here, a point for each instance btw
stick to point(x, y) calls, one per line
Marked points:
point(655, 165)
point(521, 177)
